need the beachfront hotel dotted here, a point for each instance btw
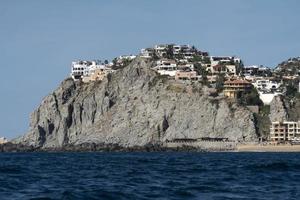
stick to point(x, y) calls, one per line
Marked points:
point(285, 131)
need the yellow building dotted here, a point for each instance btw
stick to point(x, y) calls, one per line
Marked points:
point(234, 88)
point(96, 75)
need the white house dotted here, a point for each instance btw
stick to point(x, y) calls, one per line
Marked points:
point(166, 67)
point(215, 60)
point(267, 89)
point(231, 69)
point(147, 53)
point(161, 49)
point(129, 57)
point(186, 50)
point(266, 84)
point(79, 68)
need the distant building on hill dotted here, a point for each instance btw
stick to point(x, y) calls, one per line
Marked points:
point(147, 53)
point(228, 65)
point(234, 88)
point(179, 52)
point(89, 70)
point(186, 75)
point(166, 67)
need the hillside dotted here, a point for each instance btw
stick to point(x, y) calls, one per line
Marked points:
point(289, 67)
point(134, 107)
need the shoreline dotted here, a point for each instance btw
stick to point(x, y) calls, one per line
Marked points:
point(21, 148)
point(267, 148)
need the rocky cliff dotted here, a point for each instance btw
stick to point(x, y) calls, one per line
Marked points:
point(134, 107)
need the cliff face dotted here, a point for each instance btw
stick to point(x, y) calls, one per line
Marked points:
point(278, 111)
point(134, 107)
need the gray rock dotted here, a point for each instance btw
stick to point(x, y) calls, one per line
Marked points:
point(278, 110)
point(134, 107)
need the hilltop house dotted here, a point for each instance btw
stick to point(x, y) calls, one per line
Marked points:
point(255, 70)
point(161, 50)
point(234, 88)
point(267, 89)
point(166, 67)
point(147, 53)
point(89, 71)
point(95, 73)
point(266, 84)
point(79, 68)
point(228, 65)
point(179, 52)
point(186, 75)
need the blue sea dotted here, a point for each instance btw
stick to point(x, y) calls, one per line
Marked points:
point(169, 175)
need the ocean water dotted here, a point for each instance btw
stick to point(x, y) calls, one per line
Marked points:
point(150, 176)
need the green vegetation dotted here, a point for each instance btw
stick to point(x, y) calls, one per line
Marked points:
point(291, 90)
point(199, 58)
point(264, 110)
point(250, 98)
point(169, 52)
point(220, 82)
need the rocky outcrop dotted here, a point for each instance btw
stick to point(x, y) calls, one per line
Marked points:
point(278, 111)
point(134, 107)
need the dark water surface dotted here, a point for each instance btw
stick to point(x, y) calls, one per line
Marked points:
point(149, 176)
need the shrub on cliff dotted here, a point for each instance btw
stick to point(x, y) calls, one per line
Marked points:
point(250, 98)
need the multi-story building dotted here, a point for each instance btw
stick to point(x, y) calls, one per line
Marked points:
point(166, 67)
point(94, 73)
point(86, 70)
point(234, 88)
point(266, 84)
point(215, 60)
point(161, 49)
point(285, 131)
point(79, 68)
point(186, 75)
point(147, 53)
point(228, 65)
point(179, 51)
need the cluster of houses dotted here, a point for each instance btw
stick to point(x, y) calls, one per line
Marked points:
point(87, 71)
point(186, 63)
point(181, 62)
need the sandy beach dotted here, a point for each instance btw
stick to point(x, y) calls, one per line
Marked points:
point(268, 148)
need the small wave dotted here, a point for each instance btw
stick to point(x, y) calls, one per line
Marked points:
point(274, 166)
point(10, 169)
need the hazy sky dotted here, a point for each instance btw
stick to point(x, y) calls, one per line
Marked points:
point(39, 39)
